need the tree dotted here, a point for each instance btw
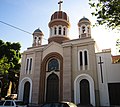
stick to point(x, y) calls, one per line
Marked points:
point(4, 66)
point(9, 64)
point(107, 12)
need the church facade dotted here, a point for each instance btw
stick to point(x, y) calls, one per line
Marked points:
point(63, 69)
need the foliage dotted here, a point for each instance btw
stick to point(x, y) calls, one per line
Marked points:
point(12, 52)
point(107, 12)
point(4, 66)
point(9, 63)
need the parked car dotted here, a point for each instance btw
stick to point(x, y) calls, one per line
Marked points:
point(12, 103)
point(59, 104)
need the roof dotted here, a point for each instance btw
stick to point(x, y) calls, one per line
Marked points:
point(84, 19)
point(116, 59)
point(59, 15)
point(38, 30)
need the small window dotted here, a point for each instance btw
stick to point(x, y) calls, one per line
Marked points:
point(81, 59)
point(35, 38)
point(83, 29)
point(30, 64)
point(55, 30)
point(64, 31)
point(27, 64)
point(59, 30)
point(88, 30)
point(39, 38)
point(85, 58)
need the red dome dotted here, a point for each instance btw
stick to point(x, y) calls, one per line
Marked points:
point(60, 15)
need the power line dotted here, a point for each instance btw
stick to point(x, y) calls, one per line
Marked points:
point(17, 28)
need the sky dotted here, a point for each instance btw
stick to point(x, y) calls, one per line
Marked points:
point(29, 15)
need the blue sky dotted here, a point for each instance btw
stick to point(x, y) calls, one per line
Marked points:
point(32, 14)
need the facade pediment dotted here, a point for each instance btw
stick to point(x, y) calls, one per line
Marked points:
point(52, 47)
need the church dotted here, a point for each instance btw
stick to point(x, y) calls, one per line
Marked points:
point(65, 69)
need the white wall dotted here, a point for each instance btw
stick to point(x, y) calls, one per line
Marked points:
point(111, 74)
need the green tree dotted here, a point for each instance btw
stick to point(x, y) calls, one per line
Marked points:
point(4, 66)
point(9, 64)
point(107, 12)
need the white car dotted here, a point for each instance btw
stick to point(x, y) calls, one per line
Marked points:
point(12, 103)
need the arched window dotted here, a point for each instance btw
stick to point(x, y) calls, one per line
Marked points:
point(35, 39)
point(88, 30)
point(83, 29)
point(85, 58)
point(53, 64)
point(55, 31)
point(64, 31)
point(81, 59)
point(28, 66)
point(39, 40)
point(60, 30)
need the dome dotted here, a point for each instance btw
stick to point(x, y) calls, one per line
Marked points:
point(59, 18)
point(60, 15)
point(84, 19)
point(38, 31)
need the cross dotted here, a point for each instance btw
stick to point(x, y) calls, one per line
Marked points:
point(60, 2)
point(101, 68)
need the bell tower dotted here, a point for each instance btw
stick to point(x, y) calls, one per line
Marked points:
point(84, 28)
point(59, 26)
point(37, 37)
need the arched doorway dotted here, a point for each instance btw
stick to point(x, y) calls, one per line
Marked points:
point(84, 92)
point(52, 91)
point(77, 91)
point(26, 92)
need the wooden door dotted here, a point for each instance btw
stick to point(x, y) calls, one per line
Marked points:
point(84, 92)
point(26, 92)
point(52, 91)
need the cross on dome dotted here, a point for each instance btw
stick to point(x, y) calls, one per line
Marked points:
point(60, 2)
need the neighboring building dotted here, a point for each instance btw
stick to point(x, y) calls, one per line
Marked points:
point(109, 78)
point(63, 69)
